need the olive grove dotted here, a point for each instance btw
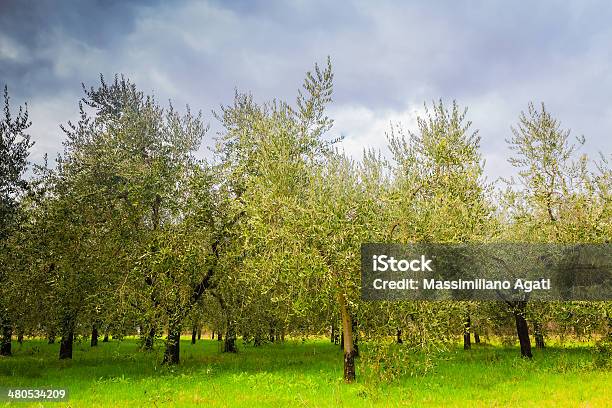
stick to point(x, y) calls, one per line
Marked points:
point(130, 234)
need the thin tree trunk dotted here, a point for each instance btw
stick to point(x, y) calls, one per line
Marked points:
point(467, 344)
point(67, 339)
point(399, 337)
point(149, 339)
point(105, 339)
point(66, 345)
point(155, 215)
point(51, 337)
point(199, 332)
point(20, 337)
point(522, 329)
point(149, 336)
point(355, 332)
point(347, 330)
point(230, 339)
point(539, 336)
point(173, 346)
point(94, 336)
point(476, 338)
point(194, 335)
point(271, 334)
point(332, 336)
point(5, 340)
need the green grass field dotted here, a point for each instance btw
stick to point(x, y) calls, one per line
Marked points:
point(299, 373)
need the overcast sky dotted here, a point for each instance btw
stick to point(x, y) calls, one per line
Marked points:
point(389, 58)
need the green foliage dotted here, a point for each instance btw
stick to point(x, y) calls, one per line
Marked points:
point(14, 150)
point(603, 354)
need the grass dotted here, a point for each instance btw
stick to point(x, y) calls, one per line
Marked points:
point(299, 373)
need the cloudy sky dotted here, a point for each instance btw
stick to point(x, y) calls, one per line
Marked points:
point(389, 58)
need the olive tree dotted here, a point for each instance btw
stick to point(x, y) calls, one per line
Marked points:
point(555, 199)
point(14, 150)
point(439, 192)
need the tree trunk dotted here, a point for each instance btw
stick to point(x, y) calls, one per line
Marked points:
point(67, 340)
point(66, 345)
point(399, 337)
point(355, 331)
point(332, 336)
point(271, 334)
point(230, 339)
point(94, 336)
point(347, 331)
point(467, 344)
point(105, 339)
point(539, 336)
point(20, 337)
point(609, 326)
point(522, 329)
point(51, 337)
point(155, 215)
point(219, 336)
point(199, 332)
point(194, 335)
point(173, 345)
point(149, 339)
point(5, 340)
point(476, 338)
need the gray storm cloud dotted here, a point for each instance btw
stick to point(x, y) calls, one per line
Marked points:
point(493, 57)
